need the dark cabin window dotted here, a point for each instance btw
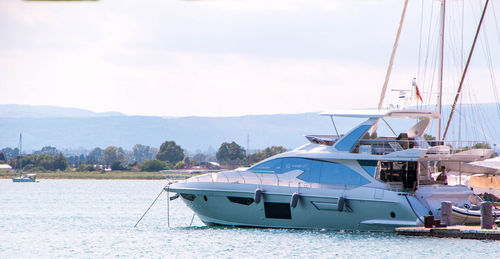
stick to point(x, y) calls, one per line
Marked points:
point(189, 197)
point(276, 210)
point(241, 200)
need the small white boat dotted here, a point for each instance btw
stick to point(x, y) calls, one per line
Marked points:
point(469, 216)
point(23, 178)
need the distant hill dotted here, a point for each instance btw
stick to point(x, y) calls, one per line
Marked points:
point(75, 128)
point(43, 111)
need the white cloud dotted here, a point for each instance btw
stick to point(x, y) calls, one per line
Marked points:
point(207, 58)
point(187, 84)
point(252, 6)
point(27, 13)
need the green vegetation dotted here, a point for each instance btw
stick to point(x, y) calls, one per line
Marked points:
point(482, 145)
point(95, 157)
point(142, 152)
point(113, 155)
point(118, 166)
point(429, 137)
point(44, 162)
point(263, 154)
point(154, 165)
point(234, 155)
point(116, 163)
point(231, 154)
point(170, 152)
point(85, 168)
point(9, 153)
point(8, 174)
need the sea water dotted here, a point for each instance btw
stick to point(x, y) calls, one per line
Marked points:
point(96, 218)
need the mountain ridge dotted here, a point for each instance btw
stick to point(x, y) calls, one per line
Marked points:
point(193, 133)
point(49, 111)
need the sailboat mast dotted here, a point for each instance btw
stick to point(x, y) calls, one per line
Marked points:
point(459, 91)
point(20, 154)
point(440, 74)
point(389, 68)
point(393, 54)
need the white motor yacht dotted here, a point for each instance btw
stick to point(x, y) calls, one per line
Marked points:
point(357, 181)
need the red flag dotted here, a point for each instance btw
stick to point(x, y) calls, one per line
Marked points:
point(417, 92)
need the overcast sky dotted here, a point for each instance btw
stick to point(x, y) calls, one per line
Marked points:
point(225, 58)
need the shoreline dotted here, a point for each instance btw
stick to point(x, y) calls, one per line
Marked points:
point(97, 175)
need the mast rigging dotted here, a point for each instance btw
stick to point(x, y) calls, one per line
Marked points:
point(459, 91)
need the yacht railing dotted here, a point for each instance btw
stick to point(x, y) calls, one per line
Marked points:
point(386, 146)
point(456, 146)
point(273, 179)
point(258, 178)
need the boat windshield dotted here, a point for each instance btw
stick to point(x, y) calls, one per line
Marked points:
point(312, 171)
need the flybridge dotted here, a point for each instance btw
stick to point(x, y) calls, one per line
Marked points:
point(363, 139)
point(360, 138)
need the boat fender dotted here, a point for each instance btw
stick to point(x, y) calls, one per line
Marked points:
point(340, 204)
point(258, 195)
point(174, 197)
point(294, 199)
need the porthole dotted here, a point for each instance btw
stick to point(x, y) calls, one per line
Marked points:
point(205, 197)
point(393, 215)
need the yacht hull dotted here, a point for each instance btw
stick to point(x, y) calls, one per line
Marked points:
point(23, 180)
point(312, 211)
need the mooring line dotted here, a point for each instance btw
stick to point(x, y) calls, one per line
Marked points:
point(162, 189)
point(168, 205)
point(192, 220)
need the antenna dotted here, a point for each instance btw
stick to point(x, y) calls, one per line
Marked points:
point(248, 144)
point(20, 156)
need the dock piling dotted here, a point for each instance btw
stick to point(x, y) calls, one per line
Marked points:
point(486, 215)
point(446, 213)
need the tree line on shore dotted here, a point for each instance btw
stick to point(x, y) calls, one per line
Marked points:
point(141, 158)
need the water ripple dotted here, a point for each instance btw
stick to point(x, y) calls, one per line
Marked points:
point(95, 219)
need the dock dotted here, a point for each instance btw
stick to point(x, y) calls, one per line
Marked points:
point(464, 232)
